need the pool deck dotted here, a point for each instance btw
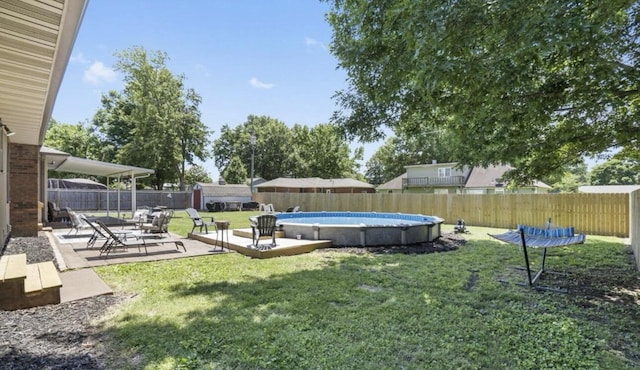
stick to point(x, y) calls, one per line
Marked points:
point(239, 240)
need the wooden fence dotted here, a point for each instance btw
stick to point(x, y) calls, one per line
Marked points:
point(596, 214)
point(634, 225)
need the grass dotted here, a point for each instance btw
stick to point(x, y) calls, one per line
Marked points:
point(181, 224)
point(330, 309)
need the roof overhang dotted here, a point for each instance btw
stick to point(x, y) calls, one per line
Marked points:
point(36, 40)
point(57, 160)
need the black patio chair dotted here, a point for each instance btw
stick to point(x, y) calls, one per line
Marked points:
point(261, 226)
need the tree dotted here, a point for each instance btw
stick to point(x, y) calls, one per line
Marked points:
point(235, 173)
point(569, 181)
point(154, 122)
point(283, 152)
point(78, 140)
point(535, 84)
point(616, 172)
point(321, 152)
point(196, 173)
point(405, 149)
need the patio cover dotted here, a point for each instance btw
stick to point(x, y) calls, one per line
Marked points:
point(57, 160)
point(97, 168)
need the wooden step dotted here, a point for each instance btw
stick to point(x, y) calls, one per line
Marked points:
point(24, 286)
point(40, 277)
point(13, 272)
point(13, 266)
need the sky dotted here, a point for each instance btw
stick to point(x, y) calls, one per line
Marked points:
point(242, 57)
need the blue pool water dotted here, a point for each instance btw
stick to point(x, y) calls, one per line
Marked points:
point(354, 218)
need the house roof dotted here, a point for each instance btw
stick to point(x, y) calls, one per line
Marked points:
point(395, 184)
point(608, 189)
point(37, 40)
point(314, 182)
point(443, 164)
point(228, 190)
point(481, 177)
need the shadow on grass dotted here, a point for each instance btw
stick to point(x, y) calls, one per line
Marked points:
point(439, 310)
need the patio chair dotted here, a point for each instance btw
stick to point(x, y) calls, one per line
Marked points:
point(263, 226)
point(267, 208)
point(56, 214)
point(200, 222)
point(77, 222)
point(159, 224)
point(139, 217)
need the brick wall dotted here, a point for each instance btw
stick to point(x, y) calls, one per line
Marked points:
point(23, 189)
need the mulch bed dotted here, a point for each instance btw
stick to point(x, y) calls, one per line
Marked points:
point(51, 337)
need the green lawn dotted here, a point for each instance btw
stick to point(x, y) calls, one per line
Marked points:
point(335, 310)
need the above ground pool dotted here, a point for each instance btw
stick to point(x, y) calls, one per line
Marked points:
point(361, 228)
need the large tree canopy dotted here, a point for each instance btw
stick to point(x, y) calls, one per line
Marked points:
point(281, 151)
point(536, 84)
point(154, 122)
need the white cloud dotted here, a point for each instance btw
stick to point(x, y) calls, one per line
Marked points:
point(79, 58)
point(203, 69)
point(312, 43)
point(98, 73)
point(259, 84)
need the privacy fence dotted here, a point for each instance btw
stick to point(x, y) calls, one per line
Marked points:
point(93, 200)
point(597, 214)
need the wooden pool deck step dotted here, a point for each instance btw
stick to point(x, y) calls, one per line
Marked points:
point(239, 240)
point(24, 286)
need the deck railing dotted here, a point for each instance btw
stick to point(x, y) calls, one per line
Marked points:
point(412, 182)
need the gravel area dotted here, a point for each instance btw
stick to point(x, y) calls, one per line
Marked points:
point(51, 337)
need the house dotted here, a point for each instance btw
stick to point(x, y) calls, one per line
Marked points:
point(37, 40)
point(447, 178)
point(608, 189)
point(314, 185)
point(231, 194)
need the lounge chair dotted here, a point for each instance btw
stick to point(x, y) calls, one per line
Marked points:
point(200, 222)
point(120, 239)
point(263, 226)
point(97, 233)
point(125, 239)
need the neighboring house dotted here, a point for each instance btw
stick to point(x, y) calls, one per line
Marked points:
point(203, 193)
point(446, 178)
point(608, 189)
point(314, 185)
point(490, 181)
point(393, 186)
point(436, 178)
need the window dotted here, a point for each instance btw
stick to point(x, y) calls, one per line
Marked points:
point(444, 172)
